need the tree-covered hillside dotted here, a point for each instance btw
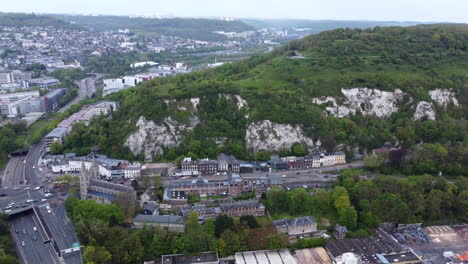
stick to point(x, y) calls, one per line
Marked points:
point(280, 88)
point(31, 20)
point(201, 29)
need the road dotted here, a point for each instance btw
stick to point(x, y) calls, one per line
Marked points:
point(86, 87)
point(36, 249)
point(23, 172)
point(14, 172)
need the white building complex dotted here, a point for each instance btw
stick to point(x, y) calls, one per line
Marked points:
point(106, 167)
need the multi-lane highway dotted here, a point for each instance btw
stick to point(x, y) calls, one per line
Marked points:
point(14, 172)
point(32, 242)
point(27, 205)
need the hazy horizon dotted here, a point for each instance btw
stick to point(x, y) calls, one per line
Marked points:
point(358, 10)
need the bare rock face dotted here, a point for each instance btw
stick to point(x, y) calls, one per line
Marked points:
point(424, 109)
point(443, 97)
point(267, 135)
point(367, 101)
point(151, 137)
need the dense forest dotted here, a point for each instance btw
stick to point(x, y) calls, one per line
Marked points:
point(277, 88)
point(201, 29)
point(31, 20)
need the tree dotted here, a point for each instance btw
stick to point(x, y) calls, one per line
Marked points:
point(209, 227)
point(192, 198)
point(222, 223)
point(277, 241)
point(276, 199)
point(250, 221)
point(373, 161)
point(96, 255)
point(347, 216)
point(56, 148)
point(323, 200)
point(328, 143)
point(299, 149)
point(191, 224)
point(126, 202)
point(340, 198)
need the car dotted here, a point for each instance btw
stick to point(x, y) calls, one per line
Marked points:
point(3, 195)
point(33, 167)
point(47, 195)
point(43, 199)
point(24, 162)
point(350, 166)
point(64, 194)
point(27, 188)
point(23, 244)
point(49, 211)
point(34, 229)
point(37, 188)
point(17, 206)
point(16, 188)
point(297, 173)
point(47, 207)
point(325, 176)
point(7, 211)
point(29, 200)
point(24, 205)
point(8, 207)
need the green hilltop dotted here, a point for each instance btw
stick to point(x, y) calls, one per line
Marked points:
point(279, 86)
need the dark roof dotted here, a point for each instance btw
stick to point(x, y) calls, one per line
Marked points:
point(367, 247)
point(181, 259)
point(112, 186)
point(299, 221)
point(110, 197)
point(159, 219)
point(245, 204)
point(151, 207)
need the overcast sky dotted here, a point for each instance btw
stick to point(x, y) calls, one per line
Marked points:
point(397, 10)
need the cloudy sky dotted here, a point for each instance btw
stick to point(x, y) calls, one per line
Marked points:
point(398, 10)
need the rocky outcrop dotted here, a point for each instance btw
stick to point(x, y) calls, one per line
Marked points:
point(267, 135)
point(367, 101)
point(151, 137)
point(424, 110)
point(443, 97)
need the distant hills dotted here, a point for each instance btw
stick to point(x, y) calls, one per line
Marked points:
point(193, 28)
point(30, 20)
point(271, 101)
point(316, 26)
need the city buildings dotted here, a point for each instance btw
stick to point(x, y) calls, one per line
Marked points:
point(92, 188)
point(107, 167)
point(88, 112)
point(299, 227)
point(235, 185)
point(169, 222)
point(202, 258)
point(232, 209)
point(57, 135)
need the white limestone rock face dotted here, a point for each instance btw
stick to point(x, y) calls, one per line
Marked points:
point(424, 109)
point(443, 97)
point(241, 102)
point(151, 137)
point(267, 135)
point(367, 101)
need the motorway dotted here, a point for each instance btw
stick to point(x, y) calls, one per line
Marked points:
point(20, 177)
point(37, 247)
point(14, 172)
